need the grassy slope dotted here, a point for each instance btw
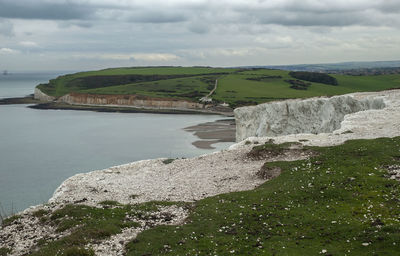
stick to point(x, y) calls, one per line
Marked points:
point(336, 205)
point(57, 86)
point(234, 87)
point(340, 201)
point(175, 88)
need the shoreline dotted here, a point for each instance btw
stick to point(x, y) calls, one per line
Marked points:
point(20, 100)
point(210, 133)
point(104, 108)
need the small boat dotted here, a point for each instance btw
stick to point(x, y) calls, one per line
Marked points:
point(5, 72)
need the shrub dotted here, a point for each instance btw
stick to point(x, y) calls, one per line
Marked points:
point(315, 77)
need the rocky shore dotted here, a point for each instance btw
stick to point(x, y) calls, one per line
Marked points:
point(188, 180)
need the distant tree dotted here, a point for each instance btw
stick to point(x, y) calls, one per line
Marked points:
point(314, 77)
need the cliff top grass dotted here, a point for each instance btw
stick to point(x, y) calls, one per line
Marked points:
point(90, 224)
point(235, 86)
point(339, 202)
point(253, 87)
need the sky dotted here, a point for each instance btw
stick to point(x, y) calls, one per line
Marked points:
point(45, 35)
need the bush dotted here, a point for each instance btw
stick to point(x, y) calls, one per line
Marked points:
point(315, 77)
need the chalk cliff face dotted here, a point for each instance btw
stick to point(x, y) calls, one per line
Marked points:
point(121, 100)
point(315, 115)
point(128, 100)
point(39, 95)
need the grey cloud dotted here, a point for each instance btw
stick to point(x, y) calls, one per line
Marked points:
point(282, 12)
point(6, 28)
point(153, 16)
point(198, 27)
point(321, 13)
point(44, 10)
point(82, 24)
point(308, 19)
point(83, 10)
point(389, 6)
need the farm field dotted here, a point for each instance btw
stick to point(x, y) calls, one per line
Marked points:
point(237, 87)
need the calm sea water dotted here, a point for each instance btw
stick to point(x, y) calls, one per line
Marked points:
point(41, 148)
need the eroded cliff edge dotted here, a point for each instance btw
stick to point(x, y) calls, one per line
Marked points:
point(315, 115)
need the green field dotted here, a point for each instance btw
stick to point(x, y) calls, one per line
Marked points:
point(339, 202)
point(235, 89)
point(235, 86)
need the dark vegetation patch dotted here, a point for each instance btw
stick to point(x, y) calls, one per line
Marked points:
point(298, 84)
point(270, 149)
point(314, 77)
point(90, 82)
point(168, 161)
point(336, 203)
point(4, 251)
point(268, 172)
point(40, 213)
point(10, 220)
point(209, 80)
point(78, 251)
point(263, 78)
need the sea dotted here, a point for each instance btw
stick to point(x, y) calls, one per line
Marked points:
point(39, 149)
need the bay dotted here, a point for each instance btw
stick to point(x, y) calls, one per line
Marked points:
point(41, 148)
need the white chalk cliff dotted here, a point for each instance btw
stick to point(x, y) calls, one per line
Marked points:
point(315, 115)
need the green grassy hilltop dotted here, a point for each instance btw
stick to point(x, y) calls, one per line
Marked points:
point(235, 86)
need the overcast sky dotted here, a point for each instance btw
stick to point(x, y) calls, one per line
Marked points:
point(89, 34)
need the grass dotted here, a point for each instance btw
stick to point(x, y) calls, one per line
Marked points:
point(337, 203)
point(9, 220)
point(168, 161)
point(235, 86)
point(90, 224)
point(237, 90)
point(180, 88)
point(109, 203)
point(4, 251)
